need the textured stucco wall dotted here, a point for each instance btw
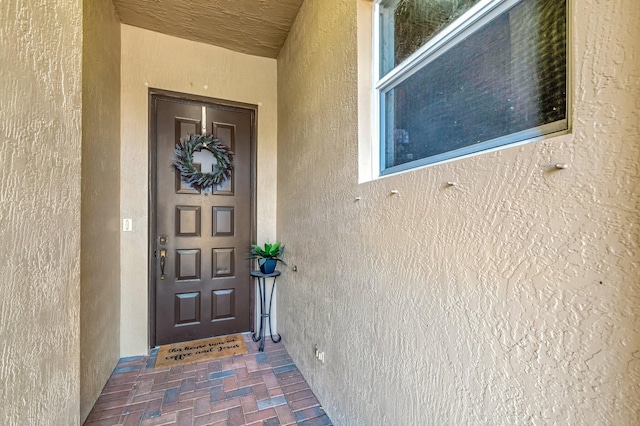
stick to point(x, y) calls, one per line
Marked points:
point(100, 231)
point(40, 151)
point(155, 60)
point(511, 298)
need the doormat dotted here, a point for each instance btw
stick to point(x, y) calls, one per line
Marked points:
point(200, 350)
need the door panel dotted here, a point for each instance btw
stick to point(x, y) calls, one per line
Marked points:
point(207, 289)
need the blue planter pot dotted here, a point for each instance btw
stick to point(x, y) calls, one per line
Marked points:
point(268, 266)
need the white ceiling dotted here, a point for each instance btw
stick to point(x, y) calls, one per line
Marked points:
point(256, 27)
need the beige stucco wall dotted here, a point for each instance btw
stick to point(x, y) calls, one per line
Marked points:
point(40, 152)
point(155, 60)
point(511, 298)
point(100, 231)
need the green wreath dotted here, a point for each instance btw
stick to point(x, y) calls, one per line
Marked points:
point(183, 161)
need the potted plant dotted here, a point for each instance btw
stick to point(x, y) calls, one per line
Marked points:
point(268, 256)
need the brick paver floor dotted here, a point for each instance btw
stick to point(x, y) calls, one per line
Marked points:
point(259, 388)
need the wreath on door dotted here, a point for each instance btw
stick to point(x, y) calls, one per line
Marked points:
point(183, 161)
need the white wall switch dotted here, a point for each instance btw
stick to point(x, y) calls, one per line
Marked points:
point(127, 225)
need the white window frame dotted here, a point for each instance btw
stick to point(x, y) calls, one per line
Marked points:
point(478, 15)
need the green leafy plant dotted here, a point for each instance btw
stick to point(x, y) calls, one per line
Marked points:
point(269, 251)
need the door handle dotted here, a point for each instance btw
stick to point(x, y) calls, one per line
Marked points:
point(163, 258)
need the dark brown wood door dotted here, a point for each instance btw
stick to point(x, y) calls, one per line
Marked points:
point(207, 286)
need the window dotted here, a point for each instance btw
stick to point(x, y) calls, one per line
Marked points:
point(457, 77)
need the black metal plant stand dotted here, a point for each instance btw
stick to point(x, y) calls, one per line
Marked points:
point(264, 313)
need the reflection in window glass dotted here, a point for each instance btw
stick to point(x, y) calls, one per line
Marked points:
point(414, 22)
point(507, 77)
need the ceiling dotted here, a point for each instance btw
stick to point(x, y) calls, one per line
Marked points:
point(256, 27)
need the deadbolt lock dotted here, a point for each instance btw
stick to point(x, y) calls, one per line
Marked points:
point(163, 239)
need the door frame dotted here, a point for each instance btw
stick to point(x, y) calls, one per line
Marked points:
point(155, 94)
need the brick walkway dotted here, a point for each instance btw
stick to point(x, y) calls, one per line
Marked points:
point(253, 389)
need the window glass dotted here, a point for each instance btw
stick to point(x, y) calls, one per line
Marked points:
point(413, 23)
point(505, 78)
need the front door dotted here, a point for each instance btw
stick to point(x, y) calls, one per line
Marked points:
point(202, 287)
